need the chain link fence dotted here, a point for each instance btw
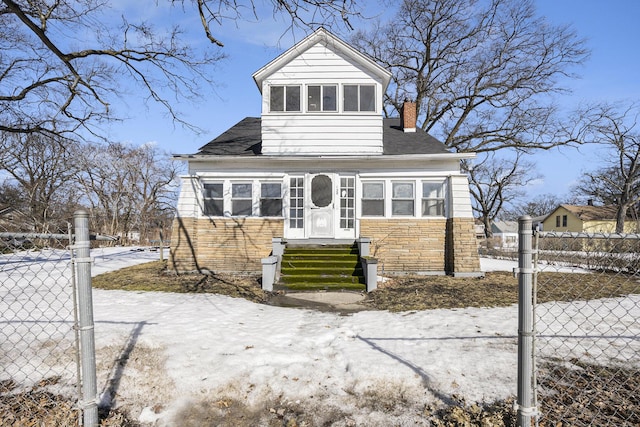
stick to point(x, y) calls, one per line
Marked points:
point(586, 329)
point(42, 381)
point(38, 342)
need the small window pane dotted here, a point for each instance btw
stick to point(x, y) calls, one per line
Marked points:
point(212, 191)
point(214, 207)
point(293, 98)
point(313, 103)
point(276, 98)
point(373, 207)
point(433, 207)
point(432, 190)
point(241, 190)
point(271, 207)
point(367, 98)
point(270, 190)
point(241, 207)
point(402, 207)
point(350, 98)
point(329, 98)
point(373, 190)
point(402, 190)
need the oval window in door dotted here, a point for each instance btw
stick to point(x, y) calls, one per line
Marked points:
point(321, 191)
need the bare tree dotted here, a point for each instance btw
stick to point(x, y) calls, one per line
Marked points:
point(538, 206)
point(41, 168)
point(129, 189)
point(617, 181)
point(65, 62)
point(155, 190)
point(496, 182)
point(481, 72)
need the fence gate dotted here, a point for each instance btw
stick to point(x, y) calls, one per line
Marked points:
point(41, 381)
point(586, 340)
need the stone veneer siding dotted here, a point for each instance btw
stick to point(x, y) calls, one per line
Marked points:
point(406, 245)
point(427, 246)
point(461, 247)
point(222, 244)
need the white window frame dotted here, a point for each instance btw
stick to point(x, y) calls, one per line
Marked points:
point(296, 222)
point(322, 108)
point(347, 213)
point(403, 199)
point(383, 198)
point(205, 197)
point(251, 198)
point(285, 87)
point(441, 200)
point(261, 198)
point(359, 98)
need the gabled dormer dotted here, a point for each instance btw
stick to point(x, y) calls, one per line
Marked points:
point(322, 97)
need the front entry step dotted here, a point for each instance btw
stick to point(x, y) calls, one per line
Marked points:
point(321, 267)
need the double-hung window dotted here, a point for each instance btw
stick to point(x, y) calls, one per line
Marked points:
point(213, 199)
point(359, 98)
point(373, 198)
point(432, 198)
point(270, 199)
point(284, 98)
point(402, 199)
point(241, 199)
point(322, 98)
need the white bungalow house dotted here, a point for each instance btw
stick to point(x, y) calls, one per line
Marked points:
point(321, 165)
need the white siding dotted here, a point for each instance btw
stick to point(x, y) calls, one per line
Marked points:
point(319, 64)
point(321, 134)
point(460, 197)
point(302, 133)
point(189, 201)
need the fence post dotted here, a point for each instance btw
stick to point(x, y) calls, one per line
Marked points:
point(526, 385)
point(89, 404)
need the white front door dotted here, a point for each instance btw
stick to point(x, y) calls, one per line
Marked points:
point(321, 205)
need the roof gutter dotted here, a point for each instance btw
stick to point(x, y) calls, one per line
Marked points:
point(300, 158)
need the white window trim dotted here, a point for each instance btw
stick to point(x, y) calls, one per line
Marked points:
point(384, 197)
point(301, 108)
point(377, 101)
point(322, 110)
point(202, 194)
point(417, 196)
point(259, 197)
point(443, 183)
point(253, 197)
point(391, 198)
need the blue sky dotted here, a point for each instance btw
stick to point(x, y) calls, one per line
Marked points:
point(610, 74)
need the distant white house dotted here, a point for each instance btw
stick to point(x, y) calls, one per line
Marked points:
point(321, 164)
point(506, 232)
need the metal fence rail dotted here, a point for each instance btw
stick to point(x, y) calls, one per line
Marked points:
point(46, 329)
point(586, 311)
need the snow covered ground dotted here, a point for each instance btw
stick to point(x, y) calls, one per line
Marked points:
point(159, 353)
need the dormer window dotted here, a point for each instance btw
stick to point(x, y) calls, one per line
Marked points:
point(284, 98)
point(322, 98)
point(359, 98)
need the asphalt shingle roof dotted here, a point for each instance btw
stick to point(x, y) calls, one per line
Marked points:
point(592, 213)
point(244, 139)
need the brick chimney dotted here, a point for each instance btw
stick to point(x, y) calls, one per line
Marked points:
point(408, 116)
